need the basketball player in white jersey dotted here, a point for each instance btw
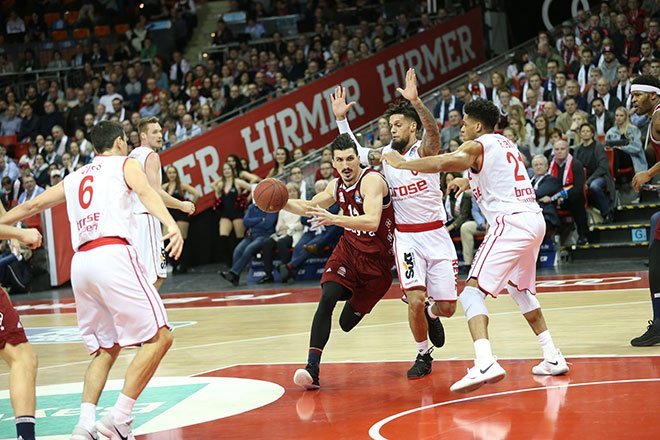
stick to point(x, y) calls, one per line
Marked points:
point(507, 256)
point(425, 254)
point(148, 235)
point(115, 304)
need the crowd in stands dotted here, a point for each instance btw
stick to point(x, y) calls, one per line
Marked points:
point(567, 106)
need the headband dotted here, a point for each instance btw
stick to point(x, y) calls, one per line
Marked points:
point(644, 88)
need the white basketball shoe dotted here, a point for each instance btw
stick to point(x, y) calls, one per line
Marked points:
point(477, 376)
point(551, 367)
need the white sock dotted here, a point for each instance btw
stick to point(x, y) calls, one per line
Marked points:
point(87, 416)
point(430, 311)
point(548, 347)
point(483, 353)
point(422, 347)
point(122, 409)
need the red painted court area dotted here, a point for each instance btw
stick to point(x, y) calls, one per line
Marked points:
point(601, 398)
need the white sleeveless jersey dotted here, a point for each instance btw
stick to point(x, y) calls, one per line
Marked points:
point(98, 201)
point(417, 196)
point(502, 186)
point(140, 154)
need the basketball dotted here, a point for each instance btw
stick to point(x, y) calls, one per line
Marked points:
point(270, 195)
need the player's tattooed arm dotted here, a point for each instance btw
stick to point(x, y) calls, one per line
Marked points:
point(431, 139)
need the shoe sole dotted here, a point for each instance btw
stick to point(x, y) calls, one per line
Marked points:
point(654, 341)
point(419, 377)
point(476, 386)
point(303, 379)
point(559, 372)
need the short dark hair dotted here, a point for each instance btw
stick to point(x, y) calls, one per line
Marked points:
point(647, 80)
point(104, 135)
point(406, 109)
point(483, 111)
point(343, 142)
point(144, 123)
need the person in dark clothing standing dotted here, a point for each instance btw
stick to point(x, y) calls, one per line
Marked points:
point(599, 182)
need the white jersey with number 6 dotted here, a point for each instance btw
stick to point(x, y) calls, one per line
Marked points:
point(98, 201)
point(502, 185)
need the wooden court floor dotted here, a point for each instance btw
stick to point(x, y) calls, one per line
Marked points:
point(228, 374)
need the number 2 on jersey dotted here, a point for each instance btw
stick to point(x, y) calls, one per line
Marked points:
point(511, 158)
point(85, 192)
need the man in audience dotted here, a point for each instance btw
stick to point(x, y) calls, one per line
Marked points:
point(545, 186)
point(453, 130)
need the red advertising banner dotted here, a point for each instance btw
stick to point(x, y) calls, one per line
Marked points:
point(304, 118)
point(57, 232)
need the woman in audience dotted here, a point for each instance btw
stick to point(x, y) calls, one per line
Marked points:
point(241, 171)
point(231, 201)
point(627, 139)
point(180, 191)
point(282, 159)
point(572, 136)
point(297, 154)
point(30, 155)
point(287, 234)
point(540, 140)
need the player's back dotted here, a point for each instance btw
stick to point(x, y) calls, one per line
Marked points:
point(417, 197)
point(502, 185)
point(98, 201)
point(351, 201)
point(140, 154)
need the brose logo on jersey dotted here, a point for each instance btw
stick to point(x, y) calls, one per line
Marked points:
point(408, 190)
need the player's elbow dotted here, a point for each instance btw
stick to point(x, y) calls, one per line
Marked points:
point(371, 224)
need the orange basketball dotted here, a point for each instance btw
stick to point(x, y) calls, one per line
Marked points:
point(270, 195)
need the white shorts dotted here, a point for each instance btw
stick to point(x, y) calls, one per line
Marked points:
point(148, 240)
point(115, 303)
point(509, 252)
point(427, 261)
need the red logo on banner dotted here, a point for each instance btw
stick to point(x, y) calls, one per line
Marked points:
point(304, 119)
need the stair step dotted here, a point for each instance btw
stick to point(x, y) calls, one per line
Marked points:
point(614, 226)
point(619, 233)
point(598, 251)
point(635, 212)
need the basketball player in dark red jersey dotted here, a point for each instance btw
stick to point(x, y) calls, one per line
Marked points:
point(359, 270)
point(645, 92)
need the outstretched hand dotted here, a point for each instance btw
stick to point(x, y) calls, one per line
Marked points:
point(459, 184)
point(175, 245)
point(339, 106)
point(320, 216)
point(410, 92)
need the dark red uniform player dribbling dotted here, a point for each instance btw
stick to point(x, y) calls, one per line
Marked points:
point(363, 260)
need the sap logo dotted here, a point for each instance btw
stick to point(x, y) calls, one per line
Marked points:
point(409, 265)
point(408, 190)
point(522, 192)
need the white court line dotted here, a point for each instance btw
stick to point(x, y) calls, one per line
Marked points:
point(374, 431)
point(266, 338)
point(570, 292)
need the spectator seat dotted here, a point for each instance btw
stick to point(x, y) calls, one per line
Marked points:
point(122, 28)
point(101, 31)
point(81, 33)
point(50, 18)
point(59, 35)
point(71, 17)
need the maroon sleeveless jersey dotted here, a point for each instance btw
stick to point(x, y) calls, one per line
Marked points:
point(349, 199)
point(655, 143)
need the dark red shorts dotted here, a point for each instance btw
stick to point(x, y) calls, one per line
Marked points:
point(11, 329)
point(367, 276)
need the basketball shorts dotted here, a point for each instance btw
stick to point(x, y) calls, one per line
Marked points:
point(11, 329)
point(148, 240)
point(427, 261)
point(115, 302)
point(367, 276)
point(509, 252)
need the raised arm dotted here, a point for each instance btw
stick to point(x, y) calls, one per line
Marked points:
point(368, 156)
point(468, 155)
point(431, 138)
point(323, 200)
point(373, 190)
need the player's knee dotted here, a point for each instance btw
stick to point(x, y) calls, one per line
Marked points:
point(416, 299)
point(165, 338)
point(445, 308)
point(472, 282)
point(526, 302)
point(349, 318)
point(473, 302)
